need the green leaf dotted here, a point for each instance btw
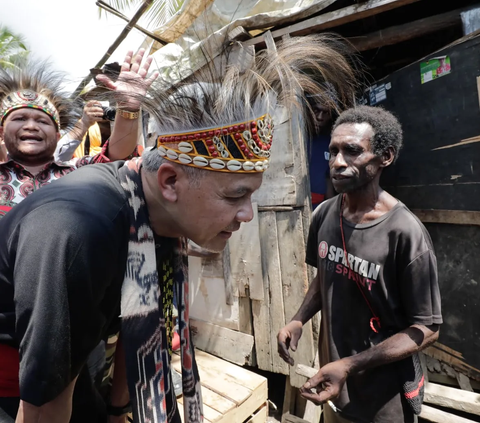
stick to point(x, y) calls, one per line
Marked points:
point(13, 50)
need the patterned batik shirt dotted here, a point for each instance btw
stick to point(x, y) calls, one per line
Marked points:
point(16, 182)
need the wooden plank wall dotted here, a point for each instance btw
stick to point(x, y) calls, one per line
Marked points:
point(245, 259)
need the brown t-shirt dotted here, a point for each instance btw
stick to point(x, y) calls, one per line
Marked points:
point(393, 261)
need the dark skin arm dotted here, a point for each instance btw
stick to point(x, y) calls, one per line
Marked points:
point(289, 336)
point(329, 380)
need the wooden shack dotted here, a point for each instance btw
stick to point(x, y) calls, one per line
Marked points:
point(243, 298)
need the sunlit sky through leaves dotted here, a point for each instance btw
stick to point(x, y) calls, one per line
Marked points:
point(68, 32)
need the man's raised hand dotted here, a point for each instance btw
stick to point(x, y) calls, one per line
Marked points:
point(133, 80)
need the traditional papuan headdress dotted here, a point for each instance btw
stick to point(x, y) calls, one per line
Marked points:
point(34, 85)
point(221, 117)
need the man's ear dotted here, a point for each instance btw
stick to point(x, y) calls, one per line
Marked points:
point(388, 157)
point(58, 136)
point(167, 178)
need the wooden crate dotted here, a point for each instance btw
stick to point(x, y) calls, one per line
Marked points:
point(231, 394)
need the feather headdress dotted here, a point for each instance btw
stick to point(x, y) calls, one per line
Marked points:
point(35, 85)
point(221, 116)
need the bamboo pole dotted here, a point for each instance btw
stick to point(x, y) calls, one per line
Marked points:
point(111, 10)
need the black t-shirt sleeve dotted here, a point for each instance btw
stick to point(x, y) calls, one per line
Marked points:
point(420, 291)
point(312, 241)
point(64, 269)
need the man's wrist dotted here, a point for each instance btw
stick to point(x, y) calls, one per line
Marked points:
point(351, 364)
point(85, 124)
point(113, 410)
point(296, 320)
point(127, 114)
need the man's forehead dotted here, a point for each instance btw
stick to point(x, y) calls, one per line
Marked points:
point(321, 107)
point(240, 182)
point(27, 111)
point(353, 131)
point(30, 112)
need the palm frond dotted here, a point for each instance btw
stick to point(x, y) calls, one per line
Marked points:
point(13, 50)
point(158, 14)
point(120, 5)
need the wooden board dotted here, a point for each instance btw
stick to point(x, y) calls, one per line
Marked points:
point(269, 314)
point(295, 283)
point(431, 414)
point(208, 294)
point(230, 393)
point(260, 415)
point(335, 18)
point(231, 345)
point(279, 185)
point(455, 217)
point(399, 33)
point(456, 399)
point(245, 259)
point(312, 411)
point(289, 418)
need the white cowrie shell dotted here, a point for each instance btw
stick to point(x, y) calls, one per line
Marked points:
point(224, 153)
point(172, 155)
point(183, 158)
point(217, 164)
point(247, 135)
point(200, 161)
point(162, 151)
point(259, 166)
point(248, 166)
point(185, 147)
point(266, 164)
point(234, 165)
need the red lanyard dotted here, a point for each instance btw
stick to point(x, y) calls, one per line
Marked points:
point(375, 318)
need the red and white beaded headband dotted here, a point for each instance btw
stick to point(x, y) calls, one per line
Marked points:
point(241, 148)
point(28, 99)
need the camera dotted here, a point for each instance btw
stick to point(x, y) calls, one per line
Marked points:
point(109, 113)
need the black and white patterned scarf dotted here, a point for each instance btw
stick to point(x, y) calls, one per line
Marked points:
point(144, 331)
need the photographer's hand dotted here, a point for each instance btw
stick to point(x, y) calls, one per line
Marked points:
point(92, 112)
